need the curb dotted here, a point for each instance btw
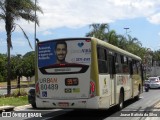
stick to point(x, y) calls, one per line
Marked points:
point(19, 108)
point(13, 108)
point(6, 108)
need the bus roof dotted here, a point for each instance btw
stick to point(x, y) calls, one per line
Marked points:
point(115, 48)
point(74, 38)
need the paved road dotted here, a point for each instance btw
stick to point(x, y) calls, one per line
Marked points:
point(146, 103)
point(150, 101)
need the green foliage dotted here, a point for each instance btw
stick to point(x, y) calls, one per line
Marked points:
point(20, 66)
point(3, 71)
point(24, 65)
point(29, 64)
point(21, 92)
point(156, 55)
point(125, 42)
point(1, 78)
point(14, 101)
point(99, 31)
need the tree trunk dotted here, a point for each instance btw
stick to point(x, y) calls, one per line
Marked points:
point(18, 85)
point(8, 68)
point(8, 27)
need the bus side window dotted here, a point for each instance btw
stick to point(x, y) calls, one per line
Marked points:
point(124, 62)
point(138, 67)
point(125, 65)
point(135, 68)
point(111, 62)
point(130, 67)
point(102, 60)
point(113, 65)
point(118, 65)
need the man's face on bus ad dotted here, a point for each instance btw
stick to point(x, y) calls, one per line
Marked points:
point(61, 52)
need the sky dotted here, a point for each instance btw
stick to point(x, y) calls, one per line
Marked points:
point(71, 18)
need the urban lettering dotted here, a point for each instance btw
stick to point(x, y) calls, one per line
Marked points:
point(48, 80)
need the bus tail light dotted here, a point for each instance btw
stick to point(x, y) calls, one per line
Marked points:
point(37, 89)
point(92, 89)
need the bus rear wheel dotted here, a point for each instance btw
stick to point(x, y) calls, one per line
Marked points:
point(34, 105)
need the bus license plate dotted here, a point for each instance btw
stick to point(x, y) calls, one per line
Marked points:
point(63, 104)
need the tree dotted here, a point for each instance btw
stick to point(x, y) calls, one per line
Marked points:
point(29, 64)
point(12, 10)
point(99, 31)
point(15, 64)
point(156, 58)
point(128, 43)
point(133, 45)
point(3, 72)
point(112, 37)
point(122, 41)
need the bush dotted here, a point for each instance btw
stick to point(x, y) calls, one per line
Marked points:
point(22, 92)
point(14, 101)
point(1, 78)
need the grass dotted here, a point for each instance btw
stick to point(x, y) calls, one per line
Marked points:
point(14, 101)
point(14, 83)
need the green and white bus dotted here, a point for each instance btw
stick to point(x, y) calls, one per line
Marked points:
point(95, 74)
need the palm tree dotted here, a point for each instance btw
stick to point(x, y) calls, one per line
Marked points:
point(156, 57)
point(122, 41)
point(99, 31)
point(133, 45)
point(112, 37)
point(12, 10)
point(134, 40)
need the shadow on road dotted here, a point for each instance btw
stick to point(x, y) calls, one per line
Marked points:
point(92, 114)
point(68, 114)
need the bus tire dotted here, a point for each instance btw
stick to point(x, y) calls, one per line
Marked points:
point(121, 101)
point(33, 105)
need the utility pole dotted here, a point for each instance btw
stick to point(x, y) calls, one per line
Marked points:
point(126, 28)
point(35, 24)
